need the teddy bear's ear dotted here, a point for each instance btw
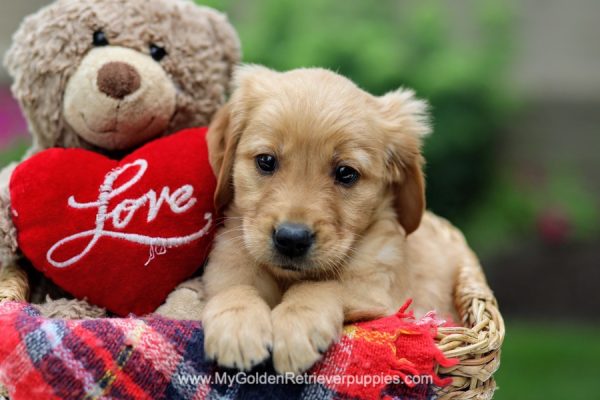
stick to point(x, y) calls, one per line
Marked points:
point(225, 35)
point(40, 60)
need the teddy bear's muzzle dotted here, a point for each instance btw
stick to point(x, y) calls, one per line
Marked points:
point(119, 98)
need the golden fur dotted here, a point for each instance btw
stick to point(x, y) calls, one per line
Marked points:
point(374, 248)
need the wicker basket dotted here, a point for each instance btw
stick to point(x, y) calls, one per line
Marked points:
point(477, 344)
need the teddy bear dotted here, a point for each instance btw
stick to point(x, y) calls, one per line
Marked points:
point(110, 76)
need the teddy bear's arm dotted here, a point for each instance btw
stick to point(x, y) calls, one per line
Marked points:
point(185, 302)
point(8, 233)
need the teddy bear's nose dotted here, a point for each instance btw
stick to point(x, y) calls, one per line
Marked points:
point(118, 79)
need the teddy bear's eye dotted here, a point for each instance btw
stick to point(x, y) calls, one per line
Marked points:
point(157, 52)
point(99, 39)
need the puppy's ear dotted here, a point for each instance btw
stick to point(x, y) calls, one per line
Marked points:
point(409, 200)
point(222, 142)
point(228, 124)
point(405, 122)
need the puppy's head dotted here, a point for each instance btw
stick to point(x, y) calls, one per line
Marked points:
point(310, 161)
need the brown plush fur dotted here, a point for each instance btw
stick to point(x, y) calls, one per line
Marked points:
point(374, 245)
point(50, 44)
point(48, 51)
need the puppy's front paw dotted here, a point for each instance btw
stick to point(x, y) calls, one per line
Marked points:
point(301, 335)
point(237, 336)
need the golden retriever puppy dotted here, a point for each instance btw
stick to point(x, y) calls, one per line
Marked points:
point(323, 196)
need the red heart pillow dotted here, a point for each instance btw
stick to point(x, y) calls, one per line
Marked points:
point(122, 233)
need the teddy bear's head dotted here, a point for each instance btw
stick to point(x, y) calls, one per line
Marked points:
point(109, 75)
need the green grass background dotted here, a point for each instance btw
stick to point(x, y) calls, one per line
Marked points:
point(549, 361)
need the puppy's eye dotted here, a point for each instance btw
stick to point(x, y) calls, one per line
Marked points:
point(346, 176)
point(157, 52)
point(266, 163)
point(99, 39)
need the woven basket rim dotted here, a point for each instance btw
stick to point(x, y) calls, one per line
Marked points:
point(478, 341)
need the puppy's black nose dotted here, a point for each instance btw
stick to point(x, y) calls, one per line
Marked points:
point(293, 240)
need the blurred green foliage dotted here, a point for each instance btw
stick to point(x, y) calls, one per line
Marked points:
point(513, 209)
point(566, 191)
point(14, 151)
point(387, 44)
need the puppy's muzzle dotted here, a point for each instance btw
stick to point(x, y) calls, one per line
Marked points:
point(293, 240)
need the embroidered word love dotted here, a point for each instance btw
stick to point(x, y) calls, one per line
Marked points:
point(179, 201)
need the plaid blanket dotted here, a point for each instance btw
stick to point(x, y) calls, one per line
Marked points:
point(157, 358)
